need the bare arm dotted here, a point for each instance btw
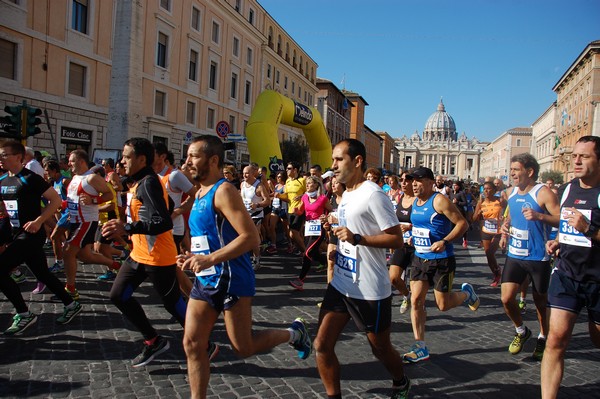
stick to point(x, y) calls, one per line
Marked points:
point(443, 206)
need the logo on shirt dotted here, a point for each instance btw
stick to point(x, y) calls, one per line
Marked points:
point(580, 202)
point(9, 189)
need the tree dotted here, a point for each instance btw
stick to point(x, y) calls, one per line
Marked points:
point(552, 174)
point(294, 150)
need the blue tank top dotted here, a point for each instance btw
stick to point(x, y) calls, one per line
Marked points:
point(60, 188)
point(527, 237)
point(209, 233)
point(429, 227)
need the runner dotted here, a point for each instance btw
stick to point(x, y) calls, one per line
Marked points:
point(21, 191)
point(255, 198)
point(575, 281)
point(295, 187)
point(222, 235)
point(153, 254)
point(531, 207)
point(278, 214)
point(360, 288)
point(59, 234)
point(434, 263)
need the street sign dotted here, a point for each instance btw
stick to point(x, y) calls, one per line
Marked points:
point(187, 139)
point(223, 129)
point(236, 137)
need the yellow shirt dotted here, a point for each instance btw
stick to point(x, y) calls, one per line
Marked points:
point(293, 189)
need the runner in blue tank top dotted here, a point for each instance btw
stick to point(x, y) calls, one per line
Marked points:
point(533, 208)
point(575, 282)
point(222, 233)
point(433, 264)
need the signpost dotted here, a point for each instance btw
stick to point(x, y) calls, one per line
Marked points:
point(223, 129)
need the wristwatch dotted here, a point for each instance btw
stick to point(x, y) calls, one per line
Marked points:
point(591, 231)
point(128, 228)
point(446, 242)
point(357, 238)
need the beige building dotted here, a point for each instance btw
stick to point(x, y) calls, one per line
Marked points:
point(335, 108)
point(361, 132)
point(544, 140)
point(390, 158)
point(166, 70)
point(495, 159)
point(577, 105)
point(441, 149)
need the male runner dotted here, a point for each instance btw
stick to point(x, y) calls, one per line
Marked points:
point(295, 187)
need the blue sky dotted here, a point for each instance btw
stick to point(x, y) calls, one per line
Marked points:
point(493, 62)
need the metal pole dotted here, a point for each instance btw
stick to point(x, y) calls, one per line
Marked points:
point(51, 133)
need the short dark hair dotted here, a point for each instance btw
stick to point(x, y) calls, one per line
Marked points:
point(15, 147)
point(212, 146)
point(53, 165)
point(316, 167)
point(592, 139)
point(161, 148)
point(171, 158)
point(356, 148)
point(142, 146)
point(110, 162)
point(81, 154)
point(528, 161)
point(294, 164)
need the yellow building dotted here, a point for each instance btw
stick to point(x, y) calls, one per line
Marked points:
point(577, 105)
point(495, 159)
point(166, 70)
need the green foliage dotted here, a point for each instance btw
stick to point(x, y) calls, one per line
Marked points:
point(294, 150)
point(552, 174)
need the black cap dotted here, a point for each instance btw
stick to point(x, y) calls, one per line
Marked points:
point(422, 173)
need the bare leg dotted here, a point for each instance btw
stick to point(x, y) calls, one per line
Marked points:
point(330, 326)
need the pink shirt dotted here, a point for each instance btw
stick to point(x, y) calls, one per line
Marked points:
point(314, 209)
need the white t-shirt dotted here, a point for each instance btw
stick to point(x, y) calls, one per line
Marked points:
point(35, 167)
point(177, 184)
point(364, 274)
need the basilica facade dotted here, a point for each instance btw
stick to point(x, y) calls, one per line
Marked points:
point(441, 149)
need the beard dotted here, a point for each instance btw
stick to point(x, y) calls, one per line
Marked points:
point(200, 172)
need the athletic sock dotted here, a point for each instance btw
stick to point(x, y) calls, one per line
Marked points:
point(541, 336)
point(521, 329)
point(294, 335)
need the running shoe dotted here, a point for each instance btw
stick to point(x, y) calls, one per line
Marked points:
point(417, 353)
point(522, 305)
point(395, 291)
point(256, 263)
point(472, 298)
point(41, 287)
point(404, 305)
point(538, 352)
point(57, 267)
point(69, 312)
point(271, 250)
point(496, 280)
point(518, 341)
point(401, 392)
point(213, 350)
point(297, 284)
point(321, 268)
point(465, 243)
point(74, 294)
point(303, 344)
point(18, 276)
point(20, 324)
point(108, 276)
point(297, 252)
point(161, 344)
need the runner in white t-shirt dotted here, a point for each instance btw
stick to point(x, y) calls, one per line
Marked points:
point(360, 288)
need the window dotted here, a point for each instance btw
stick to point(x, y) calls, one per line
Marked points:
point(277, 77)
point(285, 80)
point(77, 79)
point(299, 91)
point(195, 19)
point(268, 71)
point(210, 118)
point(216, 32)
point(232, 123)
point(518, 142)
point(79, 17)
point(293, 88)
point(238, 5)
point(165, 4)
point(236, 47)
point(212, 75)
point(248, 92)
point(251, 16)
point(249, 56)
point(160, 99)
point(234, 78)
point(190, 114)
point(161, 50)
point(193, 72)
point(8, 58)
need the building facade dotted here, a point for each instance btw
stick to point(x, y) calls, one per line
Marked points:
point(162, 69)
point(335, 109)
point(441, 149)
point(361, 132)
point(544, 142)
point(495, 160)
point(578, 105)
point(390, 158)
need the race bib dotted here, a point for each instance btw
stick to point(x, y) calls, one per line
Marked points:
point(570, 235)
point(395, 205)
point(519, 242)
point(346, 263)
point(408, 233)
point(199, 246)
point(421, 239)
point(12, 209)
point(312, 228)
point(490, 226)
point(276, 204)
point(248, 204)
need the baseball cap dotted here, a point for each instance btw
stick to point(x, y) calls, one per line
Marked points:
point(422, 173)
point(327, 174)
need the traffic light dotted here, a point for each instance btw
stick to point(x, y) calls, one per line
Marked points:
point(31, 121)
point(12, 122)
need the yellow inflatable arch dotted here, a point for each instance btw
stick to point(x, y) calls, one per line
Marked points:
point(270, 110)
